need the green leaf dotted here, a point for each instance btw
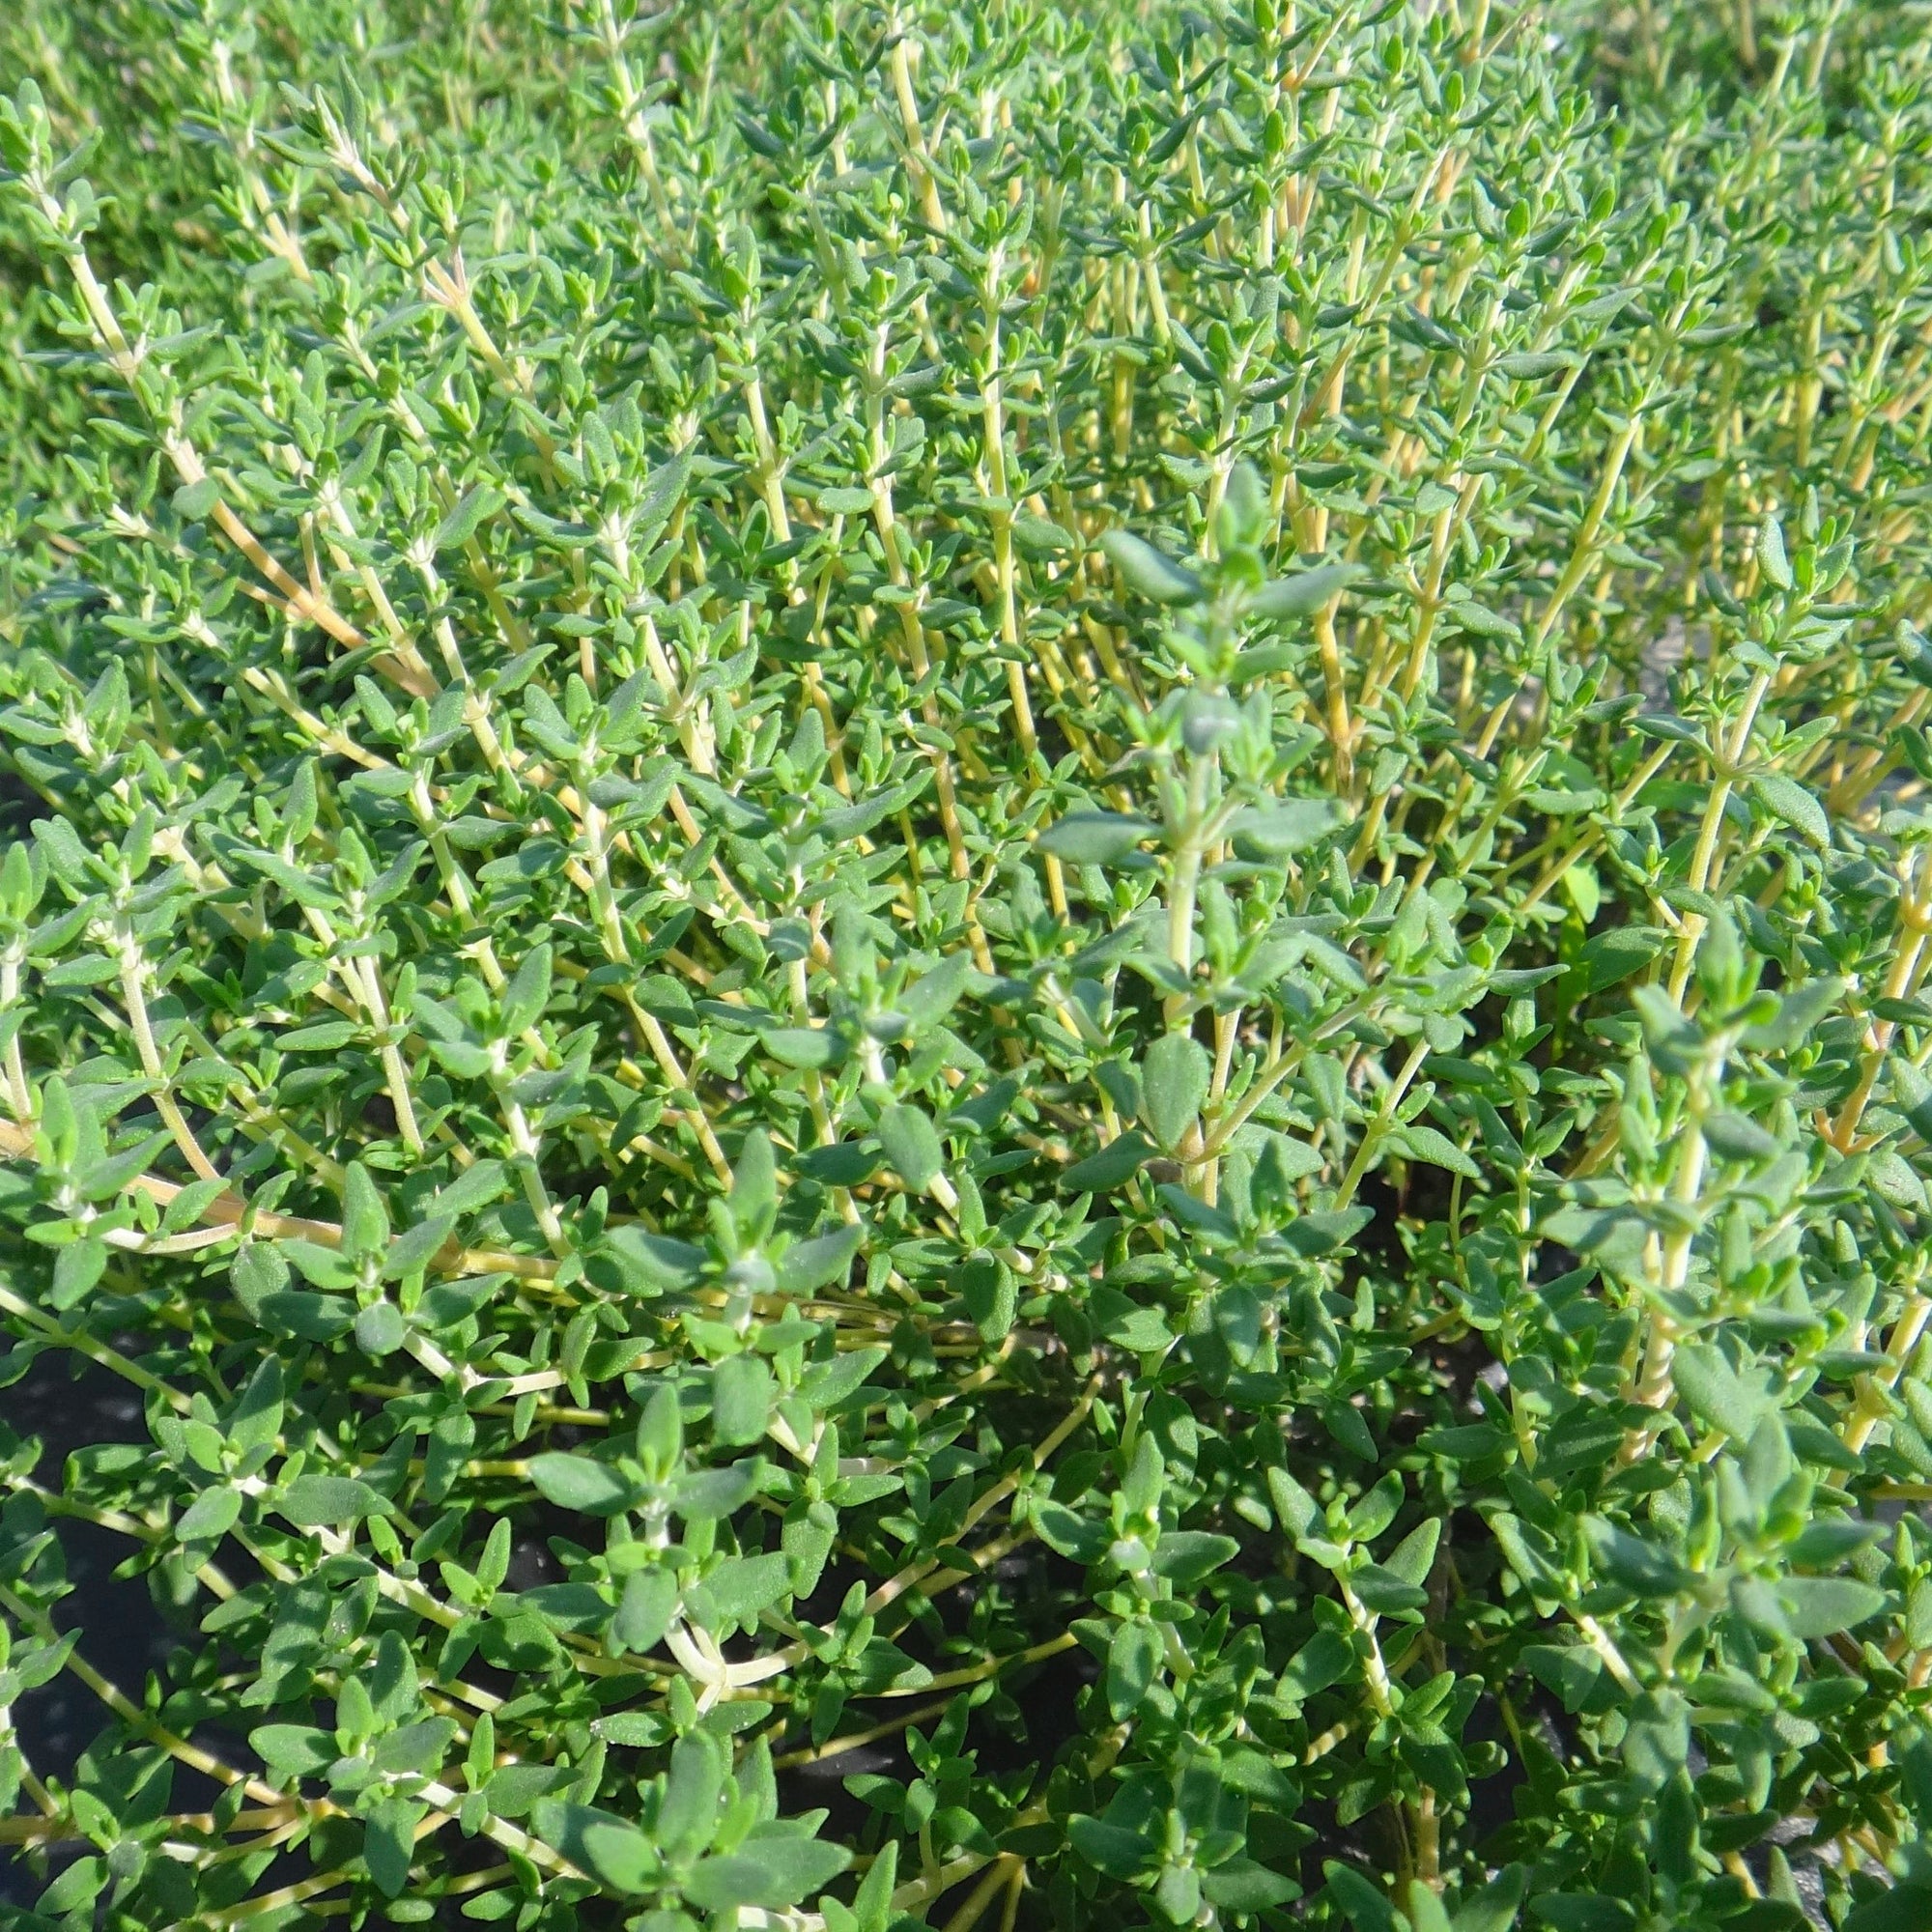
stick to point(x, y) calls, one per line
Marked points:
point(1244, 507)
point(1715, 1392)
point(1292, 1503)
point(812, 1265)
point(1304, 593)
point(325, 1502)
point(741, 1586)
point(1905, 1906)
point(212, 1514)
point(850, 821)
point(991, 1293)
point(522, 1002)
point(1425, 1910)
point(193, 502)
point(1112, 1167)
point(599, 1843)
point(1816, 1607)
point(741, 1400)
point(1614, 955)
point(845, 502)
point(1784, 798)
point(418, 1746)
point(1414, 1556)
point(933, 995)
point(1361, 1902)
point(258, 1415)
point(1326, 1658)
point(1285, 826)
point(476, 1186)
point(688, 1814)
point(1187, 1556)
point(911, 1144)
point(828, 1385)
point(1111, 1848)
point(1481, 622)
point(1039, 536)
point(309, 1317)
point(77, 1268)
point(1583, 1912)
point(1095, 837)
point(1657, 1741)
point(651, 1264)
point(1529, 366)
point(645, 1609)
point(1242, 1886)
point(380, 1328)
point(1636, 1564)
point(292, 1750)
point(1912, 1094)
point(1134, 1663)
point(474, 508)
point(707, 1495)
point(1144, 569)
point(1494, 1906)
point(769, 1871)
point(571, 1607)
point(324, 1267)
point(810, 1048)
point(1385, 1593)
point(365, 1220)
point(583, 1484)
point(1075, 1536)
point(1735, 1138)
point(1173, 1082)
point(1436, 1150)
point(514, 1791)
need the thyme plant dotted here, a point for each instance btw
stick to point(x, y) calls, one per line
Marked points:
point(975, 959)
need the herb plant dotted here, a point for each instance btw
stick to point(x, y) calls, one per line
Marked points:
point(974, 956)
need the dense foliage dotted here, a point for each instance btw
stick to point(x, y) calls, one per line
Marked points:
point(975, 955)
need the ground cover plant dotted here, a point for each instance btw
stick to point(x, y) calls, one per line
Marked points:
point(965, 965)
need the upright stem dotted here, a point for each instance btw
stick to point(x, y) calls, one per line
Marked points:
point(918, 162)
point(1703, 859)
point(19, 1100)
point(993, 407)
point(1184, 879)
point(133, 968)
point(1651, 1386)
point(1374, 1132)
